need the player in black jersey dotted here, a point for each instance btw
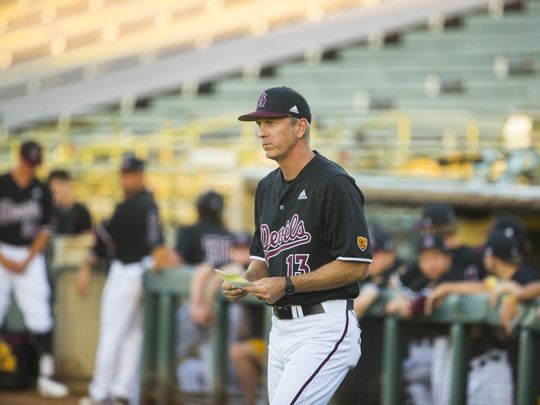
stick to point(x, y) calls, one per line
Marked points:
point(309, 251)
point(25, 222)
point(208, 240)
point(69, 216)
point(440, 218)
point(135, 237)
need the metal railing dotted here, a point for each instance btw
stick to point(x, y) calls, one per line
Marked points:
point(459, 312)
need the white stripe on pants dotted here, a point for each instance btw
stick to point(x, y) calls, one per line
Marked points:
point(309, 357)
point(120, 336)
point(31, 288)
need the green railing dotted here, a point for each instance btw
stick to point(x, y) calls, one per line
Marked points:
point(459, 312)
point(163, 290)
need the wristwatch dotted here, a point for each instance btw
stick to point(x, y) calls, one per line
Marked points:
point(289, 286)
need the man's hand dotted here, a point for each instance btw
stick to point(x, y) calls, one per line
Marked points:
point(508, 312)
point(268, 289)
point(399, 305)
point(202, 314)
point(435, 298)
point(13, 266)
point(504, 287)
point(233, 293)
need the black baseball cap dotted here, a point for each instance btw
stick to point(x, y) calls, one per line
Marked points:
point(512, 225)
point(131, 163)
point(429, 241)
point(502, 245)
point(31, 153)
point(211, 201)
point(437, 215)
point(380, 240)
point(278, 102)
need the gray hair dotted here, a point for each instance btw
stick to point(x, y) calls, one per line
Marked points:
point(295, 120)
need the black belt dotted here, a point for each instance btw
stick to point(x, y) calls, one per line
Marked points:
point(286, 312)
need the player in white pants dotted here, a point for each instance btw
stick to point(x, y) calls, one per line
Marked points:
point(309, 251)
point(134, 233)
point(25, 222)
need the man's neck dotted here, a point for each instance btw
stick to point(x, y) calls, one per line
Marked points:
point(135, 191)
point(295, 161)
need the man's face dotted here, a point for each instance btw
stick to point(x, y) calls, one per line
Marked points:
point(278, 136)
point(434, 263)
point(27, 166)
point(131, 181)
point(489, 264)
point(60, 190)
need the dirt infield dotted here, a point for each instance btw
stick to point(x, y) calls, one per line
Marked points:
point(31, 398)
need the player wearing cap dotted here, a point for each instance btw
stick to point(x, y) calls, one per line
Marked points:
point(206, 241)
point(309, 251)
point(440, 218)
point(25, 222)
point(135, 236)
point(69, 216)
point(502, 258)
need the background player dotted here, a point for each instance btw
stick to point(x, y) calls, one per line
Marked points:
point(134, 232)
point(25, 221)
point(310, 249)
point(69, 216)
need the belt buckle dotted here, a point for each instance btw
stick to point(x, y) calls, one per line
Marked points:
point(283, 312)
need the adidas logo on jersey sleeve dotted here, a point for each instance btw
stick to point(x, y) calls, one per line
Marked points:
point(302, 195)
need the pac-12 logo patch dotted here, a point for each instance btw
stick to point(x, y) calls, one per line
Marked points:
point(362, 243)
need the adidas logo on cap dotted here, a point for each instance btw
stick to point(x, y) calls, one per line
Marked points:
point(294, 109)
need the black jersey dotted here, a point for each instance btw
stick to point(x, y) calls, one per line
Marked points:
point(524, 275)
point(469, 262)
point(204, 241)
point(72, 221)
point(308, 222)
point(134, 229)
point(23, 211)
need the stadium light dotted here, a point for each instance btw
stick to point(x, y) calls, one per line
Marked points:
point(517, 131)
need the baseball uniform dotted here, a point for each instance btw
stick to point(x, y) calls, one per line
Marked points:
point(302, 225)
point(133, 231)
point(23, 212)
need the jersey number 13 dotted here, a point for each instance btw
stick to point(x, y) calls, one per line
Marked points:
point(297, 264)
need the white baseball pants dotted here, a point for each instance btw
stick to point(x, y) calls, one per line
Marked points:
point(309, 357)
point(31, 288)
point(120, 337)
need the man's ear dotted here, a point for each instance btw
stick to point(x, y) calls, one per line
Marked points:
point(302, 126)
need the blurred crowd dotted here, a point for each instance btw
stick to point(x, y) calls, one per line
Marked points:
point(500, 268)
